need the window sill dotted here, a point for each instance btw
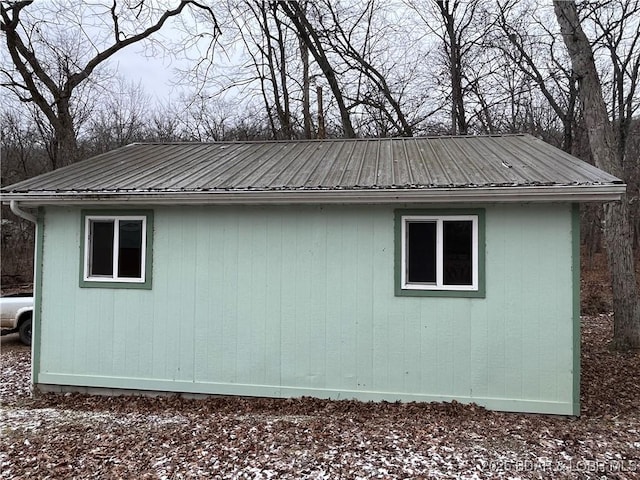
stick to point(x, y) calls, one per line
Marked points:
point(115, 284)
point(412, 292)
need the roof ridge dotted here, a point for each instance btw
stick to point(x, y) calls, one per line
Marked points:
point(321, 140)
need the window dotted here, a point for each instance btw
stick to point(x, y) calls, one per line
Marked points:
point(440, 253)
point(116, 249)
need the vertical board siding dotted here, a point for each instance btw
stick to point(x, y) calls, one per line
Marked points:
point(300, 300)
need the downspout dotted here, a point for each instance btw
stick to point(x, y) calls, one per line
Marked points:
point(15, 208)
point(37, 284)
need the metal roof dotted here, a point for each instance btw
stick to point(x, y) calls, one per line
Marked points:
point(323, 169)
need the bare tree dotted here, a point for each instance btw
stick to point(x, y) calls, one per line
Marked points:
point(309, 36)
point(306, 86)
point(121, 118)
point(206, 119)
point(23, 155)
point(269, 49)
point(459, 28)
point(617, 29)
point(632, 166)
point(165, 126)
point(47, 74)
point(353, 43)
point(626, 302)
point(453, 43)
point(454, 25)
point(530, 46)
point(22, 151)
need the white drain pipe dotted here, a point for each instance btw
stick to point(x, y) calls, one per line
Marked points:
point(15, 208)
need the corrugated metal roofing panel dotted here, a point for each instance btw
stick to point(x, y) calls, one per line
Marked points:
point(388, 163)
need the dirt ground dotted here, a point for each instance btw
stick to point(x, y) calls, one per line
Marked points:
point(78, 436)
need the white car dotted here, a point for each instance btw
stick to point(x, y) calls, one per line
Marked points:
point(16, 313)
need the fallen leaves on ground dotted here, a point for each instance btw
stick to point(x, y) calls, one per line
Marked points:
point(80, 436)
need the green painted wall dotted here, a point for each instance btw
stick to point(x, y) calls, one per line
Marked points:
point(289, 301)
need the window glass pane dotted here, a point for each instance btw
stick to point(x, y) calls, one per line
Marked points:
point(130, 249)
point(457, 252)
point(421, 252)
point(101, 253)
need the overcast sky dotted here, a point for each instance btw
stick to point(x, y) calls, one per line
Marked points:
point(154, 74)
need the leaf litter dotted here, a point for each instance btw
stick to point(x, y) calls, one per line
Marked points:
point(80, 436)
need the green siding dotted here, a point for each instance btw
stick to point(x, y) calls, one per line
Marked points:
point(287, 301)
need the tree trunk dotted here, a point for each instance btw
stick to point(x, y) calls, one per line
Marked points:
point(617, 232)
point(458, 117)
point(311, 39)
point(306, 85)
point(321, 129)
point(65, 148)
point(306, 82)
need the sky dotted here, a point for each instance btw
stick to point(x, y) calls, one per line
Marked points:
point(154, 74)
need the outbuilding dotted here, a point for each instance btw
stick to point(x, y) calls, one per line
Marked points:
point(398, 269)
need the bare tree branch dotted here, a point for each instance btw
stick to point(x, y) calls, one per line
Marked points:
point(53, 96)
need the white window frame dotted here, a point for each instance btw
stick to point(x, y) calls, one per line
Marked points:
point(439, 283)
point(116, 241)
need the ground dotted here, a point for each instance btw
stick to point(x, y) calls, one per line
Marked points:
point(78, 436)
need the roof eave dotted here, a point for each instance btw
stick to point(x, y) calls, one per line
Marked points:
point(506, 194)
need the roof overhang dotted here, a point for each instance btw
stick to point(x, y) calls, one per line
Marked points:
point(506, 194)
